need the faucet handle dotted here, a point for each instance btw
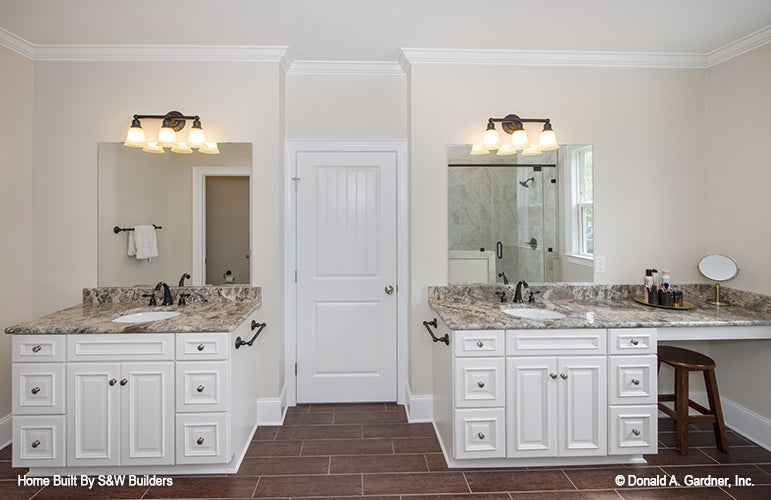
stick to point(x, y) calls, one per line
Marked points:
point(502, 295)
point(153, 302)
point(532, 298)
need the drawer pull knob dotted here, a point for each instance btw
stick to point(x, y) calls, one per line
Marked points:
point(636, 381)
point(36, 348)
point(199, 388)
point(481, 435)
point(480, 384)
point(636, 432)
point(123, 381)
point(35, 443)
point(200, 347)
point(564, 376)
point(634, 341)
point(480, 344)
point(35, 390)
point(112, 381)
point(199, 441)
point(553, 375)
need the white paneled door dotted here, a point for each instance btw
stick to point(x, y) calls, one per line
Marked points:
point(346, 282)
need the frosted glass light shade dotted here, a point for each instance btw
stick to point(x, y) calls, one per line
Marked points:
point(209, 148)
point(153, 147)
point(534, 149)
point(181, 148)
point(135, 137)
point(479, 149)
point(491, 139)
point(167, 138)
point(548, 140)
point(519, 139)
point(506, 149)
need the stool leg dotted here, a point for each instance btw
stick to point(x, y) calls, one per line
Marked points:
point(681, 409)
point(710, 381)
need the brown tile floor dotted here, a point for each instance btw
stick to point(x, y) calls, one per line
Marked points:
point(344, 450)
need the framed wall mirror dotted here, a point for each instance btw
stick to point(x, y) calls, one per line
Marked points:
point(521, 217)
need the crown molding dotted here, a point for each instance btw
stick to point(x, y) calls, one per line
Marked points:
point(16, 43)
point(555, 58)
point(349, 68)
point(740, 46)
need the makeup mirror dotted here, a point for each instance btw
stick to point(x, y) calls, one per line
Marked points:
point(718, 268)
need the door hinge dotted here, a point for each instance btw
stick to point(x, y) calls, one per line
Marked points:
point(295, 368)
point(296, 181)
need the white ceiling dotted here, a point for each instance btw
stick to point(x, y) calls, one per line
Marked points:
point(364, 30)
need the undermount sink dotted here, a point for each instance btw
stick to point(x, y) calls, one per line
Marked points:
point(531, 313)
point(141, 317)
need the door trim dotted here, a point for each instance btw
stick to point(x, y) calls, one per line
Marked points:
point(199, 214)
point(291, 148)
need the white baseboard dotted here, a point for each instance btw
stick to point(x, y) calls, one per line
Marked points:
point(6, 430)
point(420, 408)
point(271, 411)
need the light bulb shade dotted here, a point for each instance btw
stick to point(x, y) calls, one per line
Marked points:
point(534, 149)
point(479, 149)
point(153, 147)
point(506, 149)
point(548, 140)
point(167, 138)
point(135, 137)
point(196, 138)
point(182, 148)
point(491, 139)
point(209, 148)
point(519, 139)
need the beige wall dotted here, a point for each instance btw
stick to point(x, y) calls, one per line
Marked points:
point(738, 179)
point(16, 101)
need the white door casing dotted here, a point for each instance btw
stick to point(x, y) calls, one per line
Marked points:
point(346, 262)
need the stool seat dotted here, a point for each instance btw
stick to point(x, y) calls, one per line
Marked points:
point(691, 360)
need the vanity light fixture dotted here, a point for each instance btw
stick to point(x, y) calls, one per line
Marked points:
point(173, 122)
point(514, 125)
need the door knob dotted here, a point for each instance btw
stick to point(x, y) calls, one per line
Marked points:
point(389, 289)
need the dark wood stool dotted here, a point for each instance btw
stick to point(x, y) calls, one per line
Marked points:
point(684, 361)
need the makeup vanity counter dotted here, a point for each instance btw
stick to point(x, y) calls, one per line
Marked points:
point(172, 396)
point(575, 390)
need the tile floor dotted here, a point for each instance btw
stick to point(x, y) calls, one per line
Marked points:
point(343, 450)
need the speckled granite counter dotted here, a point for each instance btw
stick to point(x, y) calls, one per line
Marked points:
point(599, 306)
point(208, 309)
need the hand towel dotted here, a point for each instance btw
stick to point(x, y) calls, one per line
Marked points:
point(145, 242)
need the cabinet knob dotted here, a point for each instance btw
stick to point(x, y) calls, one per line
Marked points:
point(553, 375)
point(35, 390)
point(199, 441)
point(199, 388)
point(480, 384)
point(112, 381)
point(481, 435)
point(636, 432)
point(480, 344)
point(123, 381)
point(636, 381)
point(634, 341)
point(35, 443)
point(564, 376)
point(200, 347)
point(36, 348)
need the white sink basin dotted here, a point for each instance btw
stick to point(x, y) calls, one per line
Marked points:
point(531, 313)
point(141, 317)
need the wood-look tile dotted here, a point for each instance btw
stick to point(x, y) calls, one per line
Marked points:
point(284, 466)
point(308, 418)
point(369, 417)
point(97, 492)
point(674, 494)
point(543, 480)
point(205, 487)
point(378, 463)
point(320, 432)
point(415, 483)
point(756, 475)
point(416, 445)
point(280, 448)
point(672, 457)
point(751, 492)
point(309, 486)
point(10, 490)
point(266, 433)
point(567, 495)
point(7, 471)
point(398, 430)
point(740, 455)
point(338, 407)
point(599, 479)
point(313, 447)
point(698, 439)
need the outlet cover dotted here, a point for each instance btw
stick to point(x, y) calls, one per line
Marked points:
point(599, 264)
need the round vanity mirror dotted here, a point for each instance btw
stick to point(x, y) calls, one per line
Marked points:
point(718, 268)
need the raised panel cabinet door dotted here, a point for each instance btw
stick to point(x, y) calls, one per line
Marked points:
point(583, 405)
point(93, 414)
point(147, 413)
point(532, 406)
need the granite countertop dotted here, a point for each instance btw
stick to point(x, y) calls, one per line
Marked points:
point(601, 306)
point(208, 309)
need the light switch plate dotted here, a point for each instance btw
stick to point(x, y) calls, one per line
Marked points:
point(599, 264)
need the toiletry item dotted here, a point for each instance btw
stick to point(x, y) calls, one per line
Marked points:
point(647, 282)
point(677, 296)
point(666, 280)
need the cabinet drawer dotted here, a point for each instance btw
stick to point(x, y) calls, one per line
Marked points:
point(44, 348)
point(202, 386)
point(478, 343)
point(480, 433)
point(633, 430)
point(555, 342)
point(121, 347)
point(479, 382)
point(632, 341)
point(38, 441)
point(202, 438)
point(633, 379)
point(203, 346)
point(38, 388)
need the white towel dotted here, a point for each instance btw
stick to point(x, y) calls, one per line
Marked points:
point(142, 242)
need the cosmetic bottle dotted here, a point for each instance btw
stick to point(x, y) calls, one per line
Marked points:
point(647, 283)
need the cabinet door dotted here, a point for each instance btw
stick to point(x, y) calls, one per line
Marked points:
point(532, 412)
point(93, 419)
point(147, 413)
point(583, 405)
